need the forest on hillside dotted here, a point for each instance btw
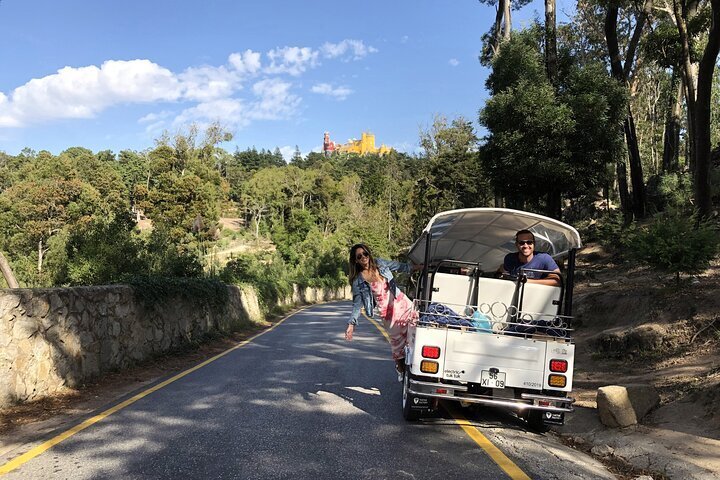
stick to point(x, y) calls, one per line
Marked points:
point(610, 122)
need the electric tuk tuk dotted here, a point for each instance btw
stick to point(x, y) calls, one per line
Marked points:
point(480, 339)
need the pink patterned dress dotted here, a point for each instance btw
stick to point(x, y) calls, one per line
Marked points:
point(397, 313)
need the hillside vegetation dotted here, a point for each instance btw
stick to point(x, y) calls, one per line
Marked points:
point(607, 121)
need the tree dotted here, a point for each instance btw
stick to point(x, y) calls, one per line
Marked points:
point(621, 71)
point(702, 137)
point(7, 272)
point(501, 30)
point(261, 195)
point(450, 175)
point(546, 143)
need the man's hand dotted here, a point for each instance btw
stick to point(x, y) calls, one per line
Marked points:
point(349, 332)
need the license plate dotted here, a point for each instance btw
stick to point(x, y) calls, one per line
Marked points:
point(492, 379)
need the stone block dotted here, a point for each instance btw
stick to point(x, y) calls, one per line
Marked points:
point(71, 344)
point(8, 302)
point(78, 306)
point(39, 307)
point(122, 310)
point(25, 328)
point(625, 405)
point(90, 364)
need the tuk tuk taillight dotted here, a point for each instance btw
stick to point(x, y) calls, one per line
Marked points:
point(426, 366)
point(559, 366)
point(430, 352)
point(558, 381)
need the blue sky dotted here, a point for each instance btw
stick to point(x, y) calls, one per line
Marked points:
point(115, 75)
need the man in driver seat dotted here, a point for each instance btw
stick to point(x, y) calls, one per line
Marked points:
point(526, 258)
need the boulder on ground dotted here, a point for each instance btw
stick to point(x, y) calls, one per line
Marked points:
point(625, 405)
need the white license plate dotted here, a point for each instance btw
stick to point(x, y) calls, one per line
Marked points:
point(492, 380)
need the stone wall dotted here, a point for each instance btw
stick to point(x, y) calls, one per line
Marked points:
point(58, 337)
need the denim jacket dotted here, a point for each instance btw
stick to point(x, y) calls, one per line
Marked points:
point(362, 296)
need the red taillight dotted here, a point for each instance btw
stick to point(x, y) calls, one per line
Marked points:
point(431, 352)
point(558, 366)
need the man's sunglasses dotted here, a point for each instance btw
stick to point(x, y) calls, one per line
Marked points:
point(525, 242)
point(360, 255)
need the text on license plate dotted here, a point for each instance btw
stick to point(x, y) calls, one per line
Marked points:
point(492, 379)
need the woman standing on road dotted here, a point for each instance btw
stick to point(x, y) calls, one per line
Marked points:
point(373, 285)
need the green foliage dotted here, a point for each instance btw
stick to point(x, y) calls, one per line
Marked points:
point(103, 251)
point(519, 61)
point(450, 176)
point(669, 191)
point(675, 243)
point(164, 255)
point(153, 291)
point(268, 273)
point(545, 140)
point(288, 236)
point(609, 230)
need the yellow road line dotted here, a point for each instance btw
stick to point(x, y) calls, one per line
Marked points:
point(26, 457)
point(493, 452)
point(379, 327)
point(497, 456)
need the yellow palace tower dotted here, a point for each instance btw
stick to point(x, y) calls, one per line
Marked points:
point(365, 145)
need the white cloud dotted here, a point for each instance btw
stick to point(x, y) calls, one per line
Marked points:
point(85, 91)
point(245, 62)
point(275, 100)
point(156, 127)
point(228, 111)
point(340, 93)
point(206, 83)
point(153, 117)
point(348, 49)
point(454, 62)
point(287, 152)
point(291, 60)
point(205, 92)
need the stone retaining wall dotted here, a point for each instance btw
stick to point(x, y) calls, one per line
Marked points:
point(52, 338)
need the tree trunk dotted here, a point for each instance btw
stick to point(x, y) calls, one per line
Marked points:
point(636, 172)
point(499, 203)
point(7, 272)
point(507, 28)
point(635, 39)
point(681, 15)
point(671, 141)
point(40, 256)
point(703, 147)
point(551, 60)
point(625, 200)
point(554, 204)
point(497, 27)
point(636, 175)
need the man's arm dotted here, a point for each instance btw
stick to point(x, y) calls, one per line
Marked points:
point(552, 279)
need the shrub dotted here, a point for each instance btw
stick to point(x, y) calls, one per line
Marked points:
point(609, 230)
point(674, 242)
point(267, 273)
point(669, 191)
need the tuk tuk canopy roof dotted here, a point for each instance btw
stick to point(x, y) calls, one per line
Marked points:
point(486, 235)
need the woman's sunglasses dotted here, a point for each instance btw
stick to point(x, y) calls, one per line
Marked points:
point(360, 255)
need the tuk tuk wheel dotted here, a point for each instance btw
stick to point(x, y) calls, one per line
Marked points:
point(535, 421)
point(409, 413)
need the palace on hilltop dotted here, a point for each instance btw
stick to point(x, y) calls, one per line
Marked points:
point(365, 145)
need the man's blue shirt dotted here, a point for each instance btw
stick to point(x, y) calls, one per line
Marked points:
point(540, 261)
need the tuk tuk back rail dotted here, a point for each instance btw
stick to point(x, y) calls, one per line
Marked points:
point(494, 318)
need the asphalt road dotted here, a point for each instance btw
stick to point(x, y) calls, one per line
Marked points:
point(299, 402)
